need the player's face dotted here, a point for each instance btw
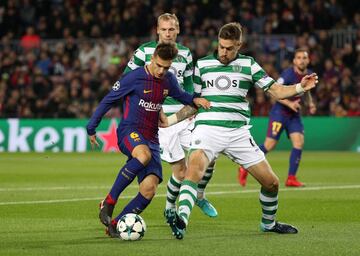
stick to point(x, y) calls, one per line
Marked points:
point(301, 61)
point(227, 50)
point(159, 67)
point(167, 31)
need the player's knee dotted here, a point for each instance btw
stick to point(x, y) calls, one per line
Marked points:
point(272, 185)
point(143, 155)
point(298, 144)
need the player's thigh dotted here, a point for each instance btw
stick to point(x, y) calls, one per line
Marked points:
point(212, 140)
point(170, 143)
point(276, 126)
point(264, 174)
point(242, 148)
point(295, 132)
point(154, 167)
point(133, 144)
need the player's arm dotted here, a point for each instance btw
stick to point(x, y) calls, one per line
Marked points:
point(119, 89)
point(279, 91)
point(310, 102)
point(293, 105)
point(137, 60)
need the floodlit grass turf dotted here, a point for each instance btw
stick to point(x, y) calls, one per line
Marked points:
point(37, 216)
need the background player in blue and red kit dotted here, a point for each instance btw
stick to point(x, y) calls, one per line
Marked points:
point(143, 91)
point(285, 115)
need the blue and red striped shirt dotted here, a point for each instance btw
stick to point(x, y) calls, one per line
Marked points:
point(143, 97)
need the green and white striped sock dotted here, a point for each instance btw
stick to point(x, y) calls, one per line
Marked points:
point(269, 205)
point(173, 188)
point(205, 179)
point(187, 199)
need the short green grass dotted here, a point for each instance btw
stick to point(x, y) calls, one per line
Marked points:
point(49, 206)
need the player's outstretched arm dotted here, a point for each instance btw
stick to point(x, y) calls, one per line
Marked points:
point(280, 92)
point(185, 112)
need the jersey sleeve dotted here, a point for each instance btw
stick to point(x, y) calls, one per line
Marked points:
point(197, 80)
point(120, 88)
point(188, 74)
point(260, 77)
point(137, 60)
point(177, 93)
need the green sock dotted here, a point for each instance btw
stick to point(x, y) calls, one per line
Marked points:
point(173, 188)
point(269, 205)
point(187, 199)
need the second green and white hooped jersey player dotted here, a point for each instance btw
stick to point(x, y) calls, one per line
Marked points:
point(226, 87)
point(181, 67)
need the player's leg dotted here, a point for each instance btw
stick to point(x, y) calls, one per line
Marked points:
point(147, 190)
point(244, 151)
point(203, 203)
point(173, 153)
point(197, 165)
point(263, 173)
point(297, 140)
point(139, 155)
point(295, 131)
point(275, 128)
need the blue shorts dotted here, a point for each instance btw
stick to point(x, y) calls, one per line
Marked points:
point(279, 122)
point(128, 140)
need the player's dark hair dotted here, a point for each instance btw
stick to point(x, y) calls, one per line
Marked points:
point(301, 50)
point(231, 31)
point(166, 51)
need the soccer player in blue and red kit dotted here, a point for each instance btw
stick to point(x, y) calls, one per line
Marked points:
point(285, 115)
point(143, 91)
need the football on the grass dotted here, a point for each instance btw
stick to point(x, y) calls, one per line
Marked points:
point(131, 227)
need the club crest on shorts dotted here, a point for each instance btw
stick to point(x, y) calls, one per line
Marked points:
point(197, 142)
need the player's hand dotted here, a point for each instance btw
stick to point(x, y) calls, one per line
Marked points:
point(163, 121)
point(312, 108)
point(295, 105)
point(93, 141)
point(309, 81)
point(202, 102)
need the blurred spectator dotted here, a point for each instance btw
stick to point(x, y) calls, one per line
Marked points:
point(58, 57)
point(30, 40)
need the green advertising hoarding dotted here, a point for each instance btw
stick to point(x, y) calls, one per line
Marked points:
point(69, 135)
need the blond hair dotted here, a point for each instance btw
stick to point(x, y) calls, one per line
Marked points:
point(168, 16)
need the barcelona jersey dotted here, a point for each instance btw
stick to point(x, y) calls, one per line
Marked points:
point(143, 96)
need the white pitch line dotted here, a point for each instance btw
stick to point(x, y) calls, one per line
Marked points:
point(164, 195)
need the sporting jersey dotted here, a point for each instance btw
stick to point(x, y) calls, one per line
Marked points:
point(181, 67)
point(288, 77)
point(226, 87)
point(143, 96)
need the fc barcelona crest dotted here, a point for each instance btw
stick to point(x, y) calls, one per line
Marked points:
point(166, 92)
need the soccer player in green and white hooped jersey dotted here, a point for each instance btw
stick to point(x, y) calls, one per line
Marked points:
point(224, 79)
point(174, 140)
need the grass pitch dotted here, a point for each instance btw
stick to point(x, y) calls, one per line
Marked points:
point(49, 206)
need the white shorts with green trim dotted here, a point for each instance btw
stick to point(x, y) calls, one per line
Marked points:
point(235, 143)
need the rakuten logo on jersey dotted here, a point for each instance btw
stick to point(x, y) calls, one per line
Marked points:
point(149, 106)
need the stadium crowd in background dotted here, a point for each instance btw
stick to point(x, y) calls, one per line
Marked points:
point(58, 58)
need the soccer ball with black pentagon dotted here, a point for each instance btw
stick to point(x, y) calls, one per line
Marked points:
point(131, 227)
